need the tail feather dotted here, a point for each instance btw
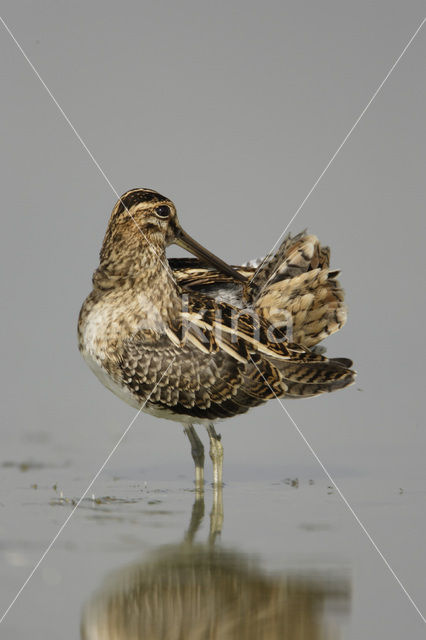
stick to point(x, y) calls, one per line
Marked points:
point(319, 375)
point(300, 390)
point(300, 293)
point(307, 377)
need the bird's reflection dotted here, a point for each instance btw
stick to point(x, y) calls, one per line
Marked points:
point(193, 591)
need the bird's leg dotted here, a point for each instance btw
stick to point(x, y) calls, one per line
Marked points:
point(197, 451)
point(216, 454)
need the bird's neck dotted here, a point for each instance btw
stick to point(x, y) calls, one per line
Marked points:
point(144, 274)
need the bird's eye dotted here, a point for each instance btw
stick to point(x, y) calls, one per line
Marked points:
point(163, 211)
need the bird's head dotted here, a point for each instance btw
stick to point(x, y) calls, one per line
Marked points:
point(144, 219)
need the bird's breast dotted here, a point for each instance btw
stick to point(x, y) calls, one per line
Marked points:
point(107, 325)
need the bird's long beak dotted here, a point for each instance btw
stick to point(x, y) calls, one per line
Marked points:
point(182, 239)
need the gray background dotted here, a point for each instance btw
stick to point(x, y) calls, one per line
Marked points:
point(232, 110)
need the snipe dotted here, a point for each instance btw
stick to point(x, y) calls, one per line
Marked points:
point(196, 340)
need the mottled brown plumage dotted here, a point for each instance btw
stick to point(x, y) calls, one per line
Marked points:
point(196, 340)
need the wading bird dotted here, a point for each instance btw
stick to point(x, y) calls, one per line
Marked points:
point(196, 340)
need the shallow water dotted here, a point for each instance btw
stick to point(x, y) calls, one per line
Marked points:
point(283, 559)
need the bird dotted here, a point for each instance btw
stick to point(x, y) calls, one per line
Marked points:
point(196, 340)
